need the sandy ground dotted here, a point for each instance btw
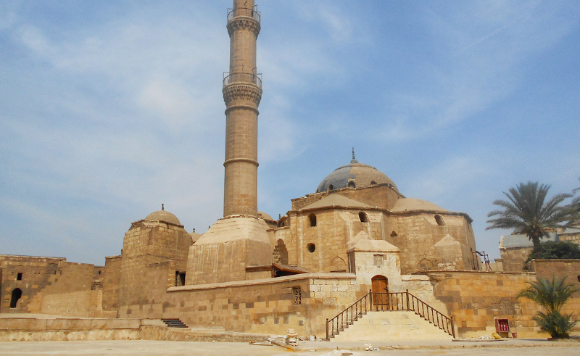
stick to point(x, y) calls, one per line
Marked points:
point(174, 348)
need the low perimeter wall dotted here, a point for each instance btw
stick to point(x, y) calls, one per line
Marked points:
point(73, 329)
point(267, 306)
point(475, 299)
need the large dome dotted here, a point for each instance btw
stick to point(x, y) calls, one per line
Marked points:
point(162, 215)
point(355, 175)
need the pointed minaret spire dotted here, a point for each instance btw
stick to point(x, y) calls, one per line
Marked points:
point(353, 159)
point(353, 153)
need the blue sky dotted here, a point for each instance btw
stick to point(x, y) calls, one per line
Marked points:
point(109, 109)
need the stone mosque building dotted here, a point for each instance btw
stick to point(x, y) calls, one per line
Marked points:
point(249, 272)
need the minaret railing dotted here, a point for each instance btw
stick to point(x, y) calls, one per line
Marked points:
point(243, 11)
point(239, 77)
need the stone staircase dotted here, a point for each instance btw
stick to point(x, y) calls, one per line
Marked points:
point(389, 316)
point(174, 323)
point(391, 325)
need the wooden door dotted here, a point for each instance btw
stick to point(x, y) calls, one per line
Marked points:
point(380, 289)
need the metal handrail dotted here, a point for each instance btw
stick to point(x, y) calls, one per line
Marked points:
point(240, 77)
point(407, 301)
point(388, 302)
point(243, 11)
point(348, 316)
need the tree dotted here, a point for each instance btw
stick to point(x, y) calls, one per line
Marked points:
point(552, 296)
point(528, 212)
point(575, 208)
point(554, 250)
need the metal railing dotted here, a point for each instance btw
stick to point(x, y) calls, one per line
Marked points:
point(239, 77)
point(388, 302)
point(243, 11)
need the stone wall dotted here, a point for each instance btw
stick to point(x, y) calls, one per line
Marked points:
point(74, 291)
point(475, 299)
point(111, 283)
point(34, 272)
point(513, 258)
point(380, 195)
point(417, 234)
point(271, 306)
point(146, 244)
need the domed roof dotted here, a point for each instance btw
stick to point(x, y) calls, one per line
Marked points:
point(262, 215)
point(412, 204)
point(356, 175)
point(162, 215)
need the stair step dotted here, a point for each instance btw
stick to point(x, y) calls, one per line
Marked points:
point(392, 325)
point(174, 323)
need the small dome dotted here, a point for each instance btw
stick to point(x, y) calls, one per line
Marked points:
point(165, 216)
point(262, 215)
point(356, 175)
point(412, 204)
point(194, 236)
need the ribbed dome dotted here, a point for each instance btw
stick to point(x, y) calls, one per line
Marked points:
point(356, 175)
point(162, 215)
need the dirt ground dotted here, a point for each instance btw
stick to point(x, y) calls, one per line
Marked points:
point(175, 348)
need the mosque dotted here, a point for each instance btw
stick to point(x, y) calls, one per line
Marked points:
point(252, 273)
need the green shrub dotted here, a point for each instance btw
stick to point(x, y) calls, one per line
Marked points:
point(552, 295)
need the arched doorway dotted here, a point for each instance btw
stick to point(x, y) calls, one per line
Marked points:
point(281, 253)
point(380, 289)
point(16, 294)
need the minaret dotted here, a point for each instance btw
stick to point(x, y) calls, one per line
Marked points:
point(242, 93)
point(237, 247)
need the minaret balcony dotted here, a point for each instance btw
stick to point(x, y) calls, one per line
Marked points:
point(243, 12)
point(243, 78)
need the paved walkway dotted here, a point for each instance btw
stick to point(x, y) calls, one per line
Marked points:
point(518, 347)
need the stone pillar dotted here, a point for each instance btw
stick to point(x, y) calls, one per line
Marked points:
point(242, 92)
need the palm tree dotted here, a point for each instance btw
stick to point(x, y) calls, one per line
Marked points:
point(528, 212)
point(575, 208)
point(552, 296)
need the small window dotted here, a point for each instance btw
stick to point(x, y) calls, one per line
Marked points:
point(297, 293)
point(439, 220)
point(19, 277)
point(99, 273)
point(394, 234)
point(311, 248)
point(330, 187)
point(378, 260)
point(363, 217)
point(373, 182)
point(578, 278)
point(351, 184)
point(312, 219)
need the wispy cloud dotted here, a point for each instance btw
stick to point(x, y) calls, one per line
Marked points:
point(486, 48)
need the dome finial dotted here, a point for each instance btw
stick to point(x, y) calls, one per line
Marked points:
point(353, 159)
point(163, 207)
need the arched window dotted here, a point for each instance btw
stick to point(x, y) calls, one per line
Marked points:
point(312, 219)
point(330, 187)
point(373, 182)
point(16, 294)
point(363, 217)
point(311, 247)
point(439, 220)
point(351, 184)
